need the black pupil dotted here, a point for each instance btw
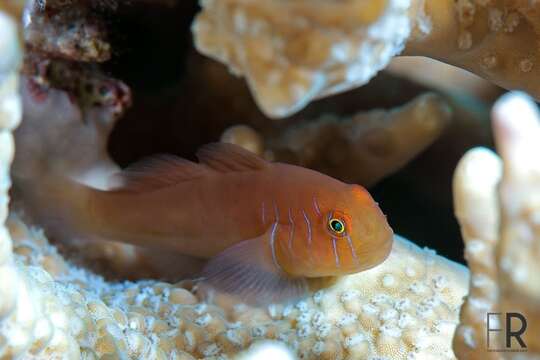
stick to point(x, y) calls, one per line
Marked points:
point(336, 225)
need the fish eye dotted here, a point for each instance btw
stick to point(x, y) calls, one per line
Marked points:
point(336, 226)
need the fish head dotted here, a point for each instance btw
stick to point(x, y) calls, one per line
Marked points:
point(371, 235)
point(350, 234)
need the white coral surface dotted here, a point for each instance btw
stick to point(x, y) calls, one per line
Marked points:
point(406, 308)
point(498, 205)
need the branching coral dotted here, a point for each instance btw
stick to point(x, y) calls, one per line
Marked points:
point(367, 146)
point(443, 77)
point(22, 309)
point(363, 148)
point(496, 39)
point(245, 137)
point(292, 52)
point(500, 227)
point(307, 52)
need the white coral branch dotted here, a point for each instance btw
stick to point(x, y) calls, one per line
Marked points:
point(498, 206)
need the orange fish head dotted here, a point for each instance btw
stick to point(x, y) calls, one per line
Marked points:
point(350, 235)
point(371, 235)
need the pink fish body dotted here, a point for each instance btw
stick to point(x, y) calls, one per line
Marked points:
point(264, 226)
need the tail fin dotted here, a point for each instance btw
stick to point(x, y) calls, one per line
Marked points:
point(57, 204)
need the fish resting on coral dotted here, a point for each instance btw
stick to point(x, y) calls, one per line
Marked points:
point(284, 223)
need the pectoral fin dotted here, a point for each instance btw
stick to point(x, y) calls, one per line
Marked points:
point(248, 270)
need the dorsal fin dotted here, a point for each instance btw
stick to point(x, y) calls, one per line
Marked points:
point(157, 172)
point(226, 157)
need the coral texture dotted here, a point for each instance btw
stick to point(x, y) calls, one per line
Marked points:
point(312, 52)
point(69, 32)
point(292, 52)
point(405, 308)
point(498, 206)
point(365, 147)
point(496, 39)
point(17, 318)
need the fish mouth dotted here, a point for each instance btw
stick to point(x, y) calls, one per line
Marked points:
point(380, 252)
point(388, 247)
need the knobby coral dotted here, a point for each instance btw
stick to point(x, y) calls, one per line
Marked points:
point(500, 228)
point(315, 48)
point(406, 308)
point(292, 52)
point(363, 148)
point(496, 39)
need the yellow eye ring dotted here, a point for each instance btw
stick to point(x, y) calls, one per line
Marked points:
point(337, 226)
